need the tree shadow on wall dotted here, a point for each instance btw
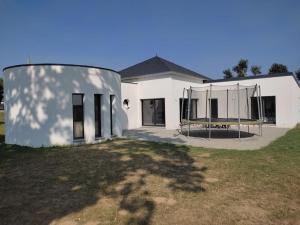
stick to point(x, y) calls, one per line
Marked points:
point(43, 186)
point(40, 101)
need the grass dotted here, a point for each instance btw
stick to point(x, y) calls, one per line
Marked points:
point(135, 182)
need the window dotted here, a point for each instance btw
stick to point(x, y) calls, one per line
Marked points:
point(97, 109)
point(193, 110)
point(153, 112)
point(268, 109)
point(112, 98)
point(78, 127)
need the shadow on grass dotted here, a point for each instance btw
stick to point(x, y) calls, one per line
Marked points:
point(1, 131)
point(41, 186)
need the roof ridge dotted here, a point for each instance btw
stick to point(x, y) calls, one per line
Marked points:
point(158, 64)
point(182, 67)
point(162, 61)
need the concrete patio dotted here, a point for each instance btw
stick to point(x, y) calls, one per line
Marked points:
point(221, 139)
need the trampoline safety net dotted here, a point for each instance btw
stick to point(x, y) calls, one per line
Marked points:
point(216, 106)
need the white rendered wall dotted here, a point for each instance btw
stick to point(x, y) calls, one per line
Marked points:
point(131, 119)
point(287, 94)
point(168, 86)
point(156, 88)
point(38, 102)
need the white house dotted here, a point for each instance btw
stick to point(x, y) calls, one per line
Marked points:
point(154, 88)
point(62, 104)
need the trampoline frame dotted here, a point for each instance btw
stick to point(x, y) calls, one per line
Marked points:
point(226, 121)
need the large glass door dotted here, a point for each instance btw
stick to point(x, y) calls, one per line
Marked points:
point(153, 112)
point(193, 108)
point(268, 109)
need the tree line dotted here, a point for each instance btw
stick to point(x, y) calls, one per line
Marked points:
point(241, 69)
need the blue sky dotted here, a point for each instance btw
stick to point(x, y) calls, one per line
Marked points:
point(205, 36)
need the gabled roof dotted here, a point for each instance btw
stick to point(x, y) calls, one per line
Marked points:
point(157, 65)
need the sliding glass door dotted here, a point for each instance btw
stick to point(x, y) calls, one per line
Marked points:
point(268, 109)
point(193, 110)
point(153, 112)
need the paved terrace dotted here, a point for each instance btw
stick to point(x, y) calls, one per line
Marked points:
point(221, 138)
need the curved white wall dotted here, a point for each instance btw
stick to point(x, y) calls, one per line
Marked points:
point(39, 103)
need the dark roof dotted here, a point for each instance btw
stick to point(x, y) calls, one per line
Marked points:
point(58, 64)
point(251, 77)
point(157, 65)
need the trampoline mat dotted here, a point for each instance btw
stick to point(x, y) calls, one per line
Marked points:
point(221, 121)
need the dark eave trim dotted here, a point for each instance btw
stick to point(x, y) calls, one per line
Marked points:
point(59, 64)
point(202, 77)
point(255, 77)
point(251, 77)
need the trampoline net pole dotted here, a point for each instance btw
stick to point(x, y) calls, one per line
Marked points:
point(227, 109)
point(239, 116)
point(247, 106)
point(206, 104)
point(261, 122)
point(209, 124)
point(181, 116)
point(189, 105)
point(258, 106)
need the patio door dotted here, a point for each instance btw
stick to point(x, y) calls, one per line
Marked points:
point(214, 108)
point(153, 112)
point(268, 109)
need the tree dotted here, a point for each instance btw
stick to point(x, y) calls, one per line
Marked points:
point(255, 70)
point(278, 68)
point(241, 68)
point(298, 74)
point(227, 74)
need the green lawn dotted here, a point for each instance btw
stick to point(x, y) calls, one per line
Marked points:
point(134, 182)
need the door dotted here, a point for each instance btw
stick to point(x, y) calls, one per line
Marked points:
point(153, 112)
point(214, 108)
point(268, 109)
point(193, 108)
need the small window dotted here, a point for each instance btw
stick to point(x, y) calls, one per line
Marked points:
point(112, 113)
point(97, 109)
point(78, 117)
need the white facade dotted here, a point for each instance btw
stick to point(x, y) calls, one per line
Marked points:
point(287, 96)
point(39, 107)
point(169, 86)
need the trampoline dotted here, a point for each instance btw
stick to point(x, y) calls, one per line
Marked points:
point(218, 107)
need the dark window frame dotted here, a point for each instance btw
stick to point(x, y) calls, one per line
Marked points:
point(82, 98)
point(99, 119)
point(111, 99)
point(217, 100)
point(186, 99)
point(254, 115)
point(164, 107)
